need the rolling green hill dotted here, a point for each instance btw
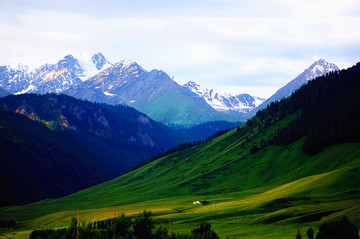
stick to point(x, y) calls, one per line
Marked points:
point(255, 181)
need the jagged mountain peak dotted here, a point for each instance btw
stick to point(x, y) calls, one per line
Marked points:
point(19, 67)
point(126, 63)
point(67, 72)
point(69, 61)
point(321, 67)
point(126, 67)
point(68, 57)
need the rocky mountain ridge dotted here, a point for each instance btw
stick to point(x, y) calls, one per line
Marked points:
point(225, 102)
point(52, 78)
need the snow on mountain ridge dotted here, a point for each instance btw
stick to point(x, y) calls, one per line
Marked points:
point(321, 67)
point(225, 101)
point(58, 77)
point(20, 67)
point(90, 66)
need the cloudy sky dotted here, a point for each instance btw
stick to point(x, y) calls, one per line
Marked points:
point(253, 46)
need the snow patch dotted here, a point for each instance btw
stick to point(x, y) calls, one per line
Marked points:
point(31, 87)
point(126, 63)
point(108, 94)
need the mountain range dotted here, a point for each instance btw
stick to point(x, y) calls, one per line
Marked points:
point(154, 93)
point(225, 102)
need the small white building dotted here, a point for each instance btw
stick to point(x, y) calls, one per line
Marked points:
point(196, 203)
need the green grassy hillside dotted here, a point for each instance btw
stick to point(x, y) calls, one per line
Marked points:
point(254, 181)
point(278, 186)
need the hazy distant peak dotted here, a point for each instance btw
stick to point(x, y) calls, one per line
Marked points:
point(126, 63)
point(224, 101)
point(69, 61)
point(321, 67)
point(318, 68)
point(191, 84)
point(19, 67)
point(92, 64)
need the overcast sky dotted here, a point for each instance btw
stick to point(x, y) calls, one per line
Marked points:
point(252, 46)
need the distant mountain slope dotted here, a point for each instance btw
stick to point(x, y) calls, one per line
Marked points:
point(225, 102)
point(112, 139)
point(4, 92)
point(318, 68)
point(259, 173)
point(15, 79)
point(154, 93)
point(204, 130)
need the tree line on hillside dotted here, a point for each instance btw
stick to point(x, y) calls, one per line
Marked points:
point(329, 108)
point(141, 227)
point(108, 123)
point(6, 224)
point(179, 147)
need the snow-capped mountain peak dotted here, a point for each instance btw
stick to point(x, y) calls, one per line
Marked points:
point(127, 67)
point(67, 72)
point(321, 67)
point(126, 63)
point(225, 101)
point(196, 88)
point(92, 64)
point(318, 68)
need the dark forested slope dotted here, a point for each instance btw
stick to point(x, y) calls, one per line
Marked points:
point(79, 136)
point(329, 110)
point(37, 163)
